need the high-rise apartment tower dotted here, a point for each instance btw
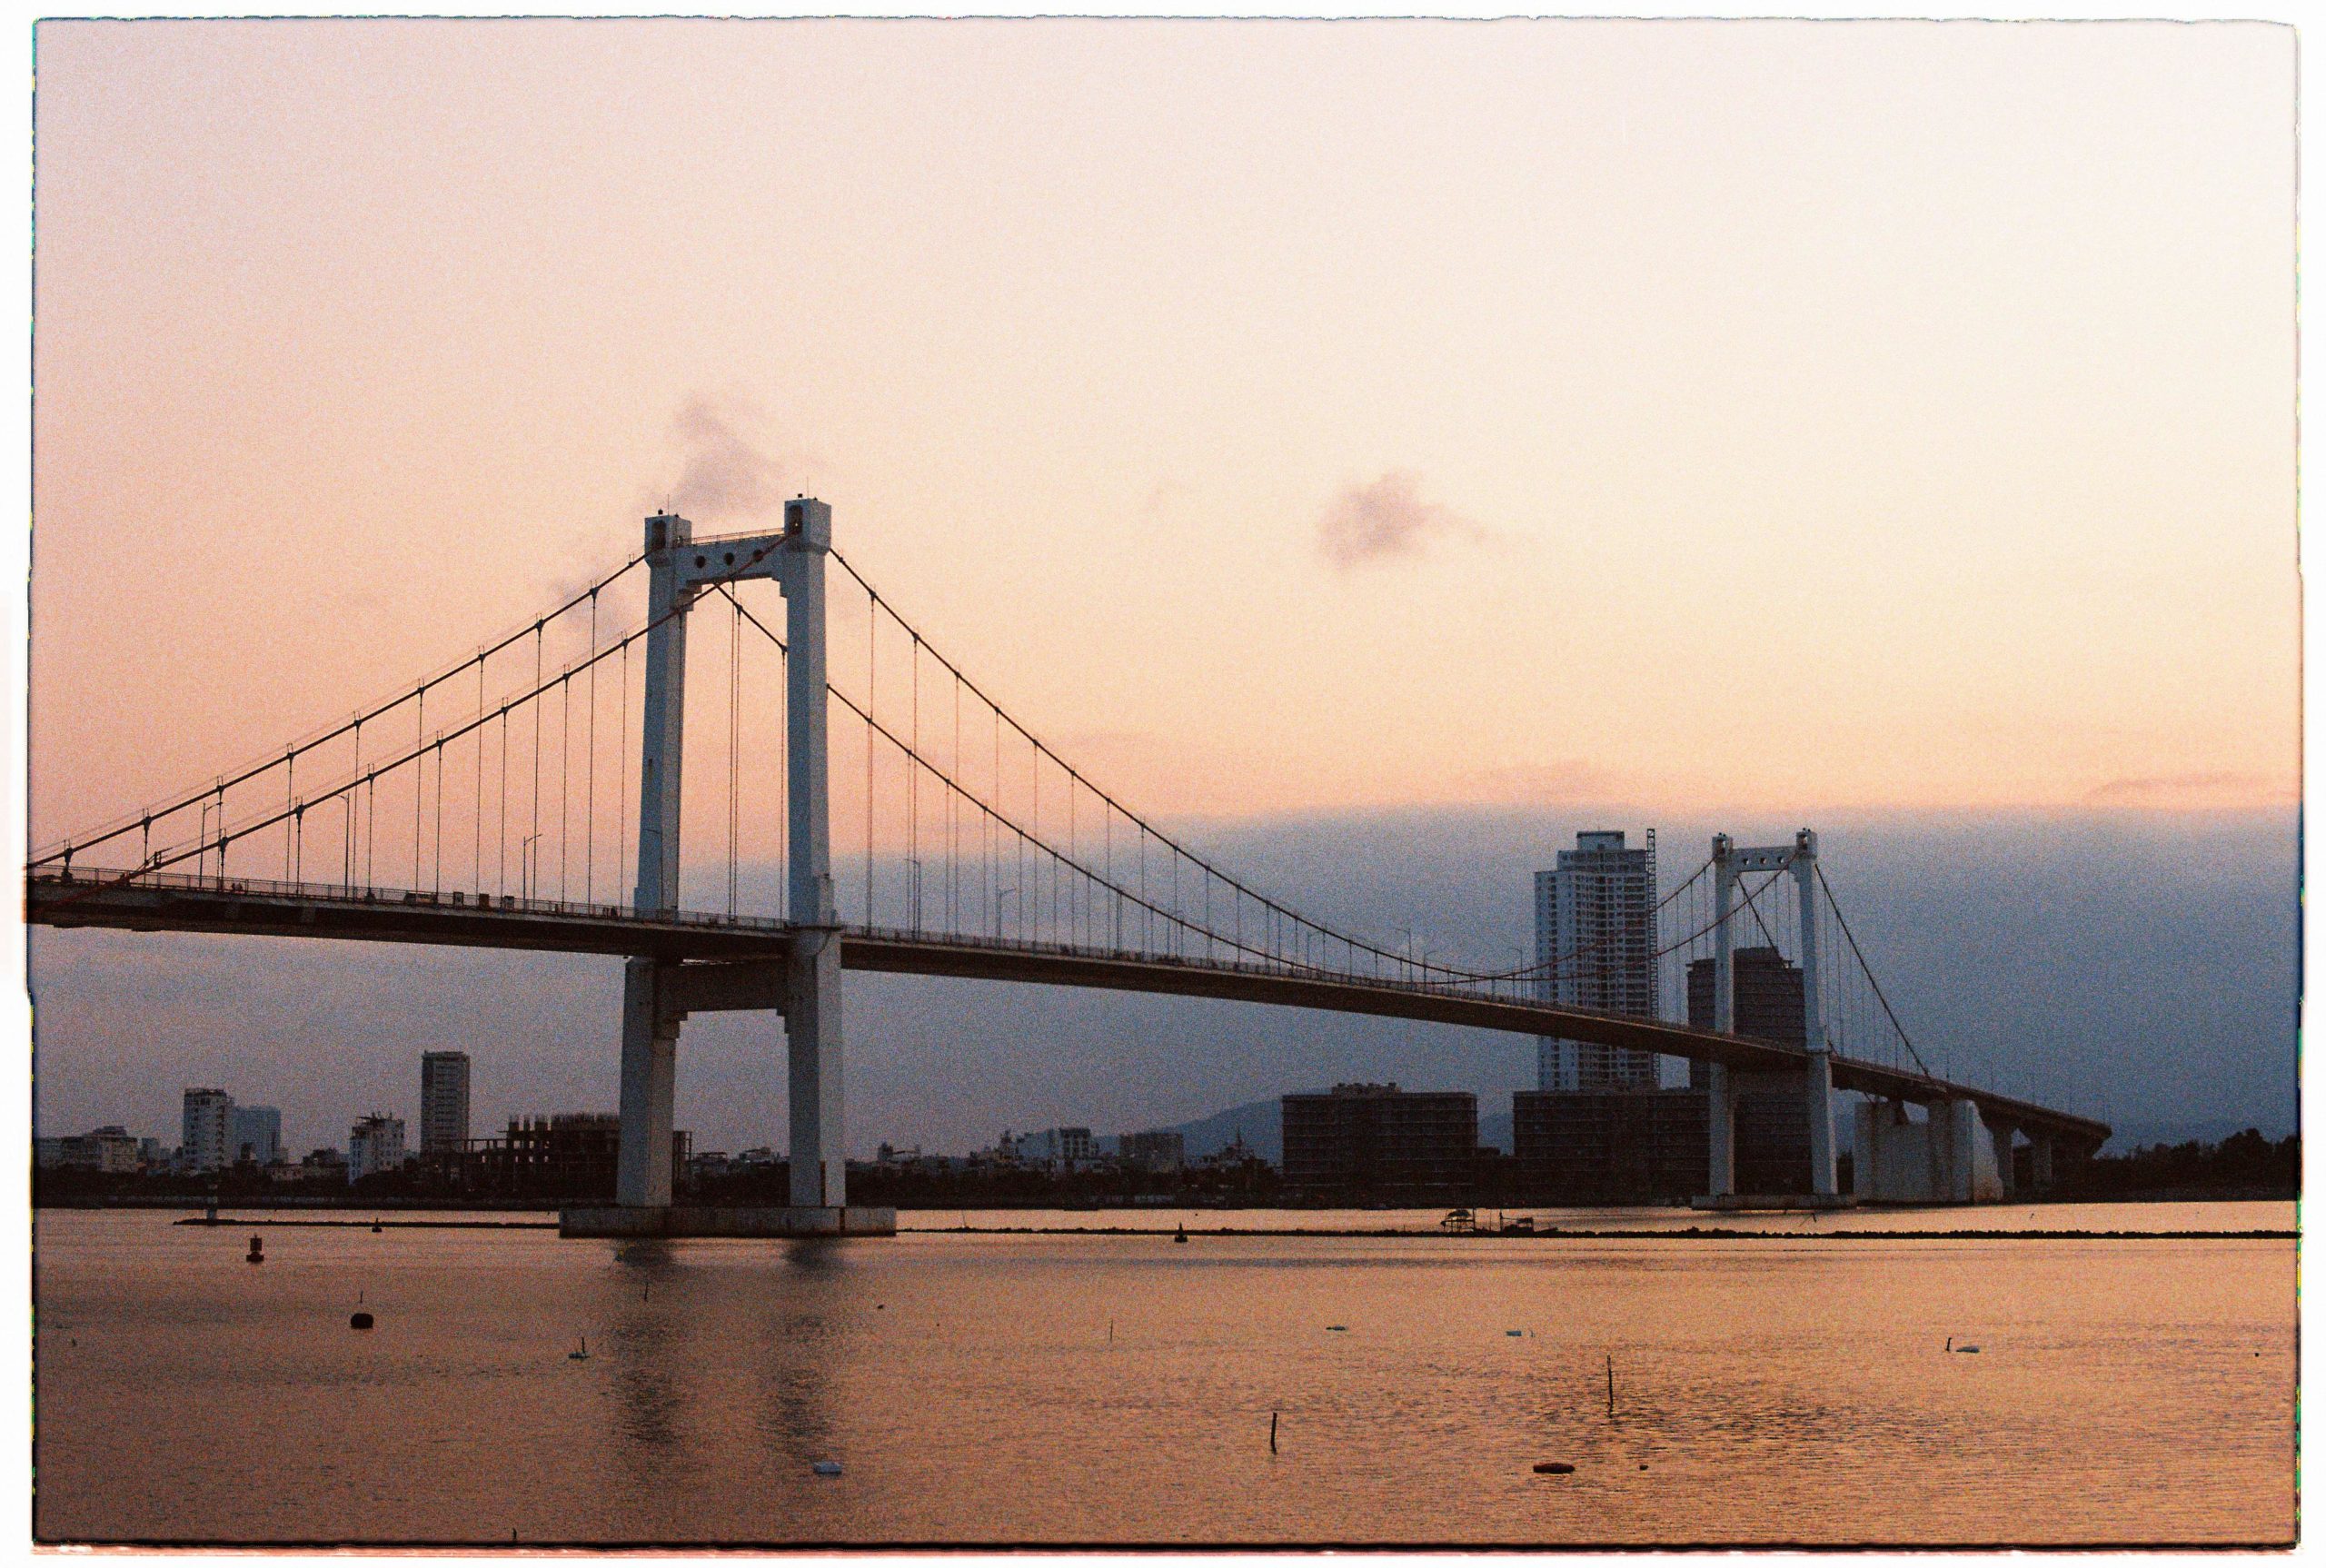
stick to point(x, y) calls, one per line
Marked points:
point(444, 1102)
point(1595, 942)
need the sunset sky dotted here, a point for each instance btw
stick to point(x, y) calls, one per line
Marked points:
point(1718, 423)
point(1283, 416)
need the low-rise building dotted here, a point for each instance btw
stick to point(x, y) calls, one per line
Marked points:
point(1059, 1148)
point(1610, 1146)
point(108, 1150)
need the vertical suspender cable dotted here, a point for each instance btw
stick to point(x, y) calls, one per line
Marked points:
point(476, 817)
point(590, 811)
point(528, 847)
point(436, 861)
point(913, 788)
point(419, 730)
point(734, 742)
point(622, 779)
point(566, 766)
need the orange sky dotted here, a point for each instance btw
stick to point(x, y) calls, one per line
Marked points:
point(1277, 416)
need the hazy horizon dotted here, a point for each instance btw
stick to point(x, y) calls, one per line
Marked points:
point(2137, 967)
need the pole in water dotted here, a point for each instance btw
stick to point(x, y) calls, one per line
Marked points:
point(1610, 1385)
point(1272, 1414)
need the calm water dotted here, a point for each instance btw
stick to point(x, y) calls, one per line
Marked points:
point(1040, 1388)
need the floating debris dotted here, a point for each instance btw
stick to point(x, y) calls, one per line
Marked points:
point(1954, 1349)
point(1558, 1467)
point(1515, 1333)
point(1336, 1328)
point(825, 1467)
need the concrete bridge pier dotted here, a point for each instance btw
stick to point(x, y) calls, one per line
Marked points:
point(1948, 1157)
point(2006, 1170)
point(2039, 1161)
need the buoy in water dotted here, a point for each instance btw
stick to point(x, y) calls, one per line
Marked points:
point(1181, 1239)
point(258, 1254)
point(360, 1320)
point(580, 1355)
point(825, 1467)
point(1555, 1467)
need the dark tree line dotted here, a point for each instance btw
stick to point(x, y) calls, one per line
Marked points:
point(2244, 1164)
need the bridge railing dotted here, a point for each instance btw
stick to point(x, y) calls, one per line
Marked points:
point(94, 881)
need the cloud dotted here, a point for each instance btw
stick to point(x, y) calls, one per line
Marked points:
point(725, 476)
point(2189, 791)
point(1387, 518)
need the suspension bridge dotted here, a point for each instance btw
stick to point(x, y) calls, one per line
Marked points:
point(500, 802)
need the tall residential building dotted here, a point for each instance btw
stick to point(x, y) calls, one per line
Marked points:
point(254, 1133)
point(1595, 938)
point(1159, 1151)
point(375, 1144)
point(444, 1102)
point(1771, 1149)
point(1365, 1138)
point(208, 1131)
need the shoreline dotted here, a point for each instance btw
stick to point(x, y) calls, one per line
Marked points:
point(1690, 1232)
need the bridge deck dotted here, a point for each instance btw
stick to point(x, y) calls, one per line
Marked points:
point(253, 907)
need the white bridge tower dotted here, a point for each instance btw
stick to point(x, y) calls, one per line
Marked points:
point(659, 993)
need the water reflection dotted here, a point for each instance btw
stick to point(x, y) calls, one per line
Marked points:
point(1110, 1390)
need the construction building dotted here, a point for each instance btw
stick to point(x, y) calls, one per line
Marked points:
point(374, 1145)
point(571, 1156)
point(1595, 946)
point(1366, 1140)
